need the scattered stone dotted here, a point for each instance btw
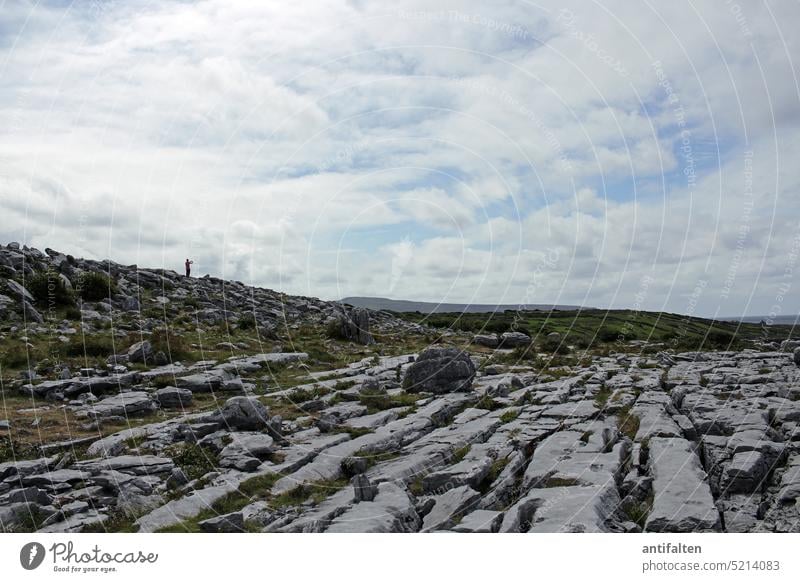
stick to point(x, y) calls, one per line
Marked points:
point(514, 339)
point(242, 413)
point(140, 352)
point(487, 341)
point(125, 404)
point(173, 397)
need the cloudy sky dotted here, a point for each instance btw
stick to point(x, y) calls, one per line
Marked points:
point(540, 152)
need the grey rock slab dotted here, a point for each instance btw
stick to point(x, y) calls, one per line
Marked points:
point(30, 495)
point(245, 451)
point(577, 509)
point(28, 467)
point(745, 472)
point(391, 436)
point(203, 381)
point(469, 471)
point(186, 507)
point(437, 449)
point(548, 455)
point(76, 523)
point(375, 420)
point(173, 397)
point(479, 521)
point(391, 511)
point(114, 444)
point(319, 518)
point(54, 478)
point(302, 447)
point(576, 410)
point(124, 404)
point(655, 422)
point(132, 464)
point(448, 506)
point(682, 498)
point(790, 484)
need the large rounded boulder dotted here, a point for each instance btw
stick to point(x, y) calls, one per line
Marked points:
point(242, 413)
point(440, 370)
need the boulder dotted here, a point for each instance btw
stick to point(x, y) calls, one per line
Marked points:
point(172, 397)
point(353, 325)
point(486, 340)
point(242, 413)
point(440, 370)
point(31, 314)
point(124, 404)
point(245, 451)
point(140, 352)
point(19, 291)
point(514, 339)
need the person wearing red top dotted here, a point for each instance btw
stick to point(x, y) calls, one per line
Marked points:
point(189, 267)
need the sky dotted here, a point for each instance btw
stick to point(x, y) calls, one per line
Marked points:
point(590, 153)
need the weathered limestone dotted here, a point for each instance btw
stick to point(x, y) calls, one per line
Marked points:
point(440, 370)
point(682, 499)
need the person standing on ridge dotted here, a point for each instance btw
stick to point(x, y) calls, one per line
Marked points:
point(189, 267)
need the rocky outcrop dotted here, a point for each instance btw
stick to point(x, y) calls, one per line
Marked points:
point(440, 370)
point(241, 413)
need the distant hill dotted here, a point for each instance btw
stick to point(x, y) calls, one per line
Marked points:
point(402, 306)
point(774, 320)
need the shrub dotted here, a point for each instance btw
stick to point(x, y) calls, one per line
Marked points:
point(49, 288)
point(72, 313)
point(333, 329)
point(509, 415)
point(90, 346)
point(607, 334)
point(16, 356)
point(94, 286)
point(247, 321)
point(555, 347)
point(173, 345)
point(195, 460)
point(627, 423)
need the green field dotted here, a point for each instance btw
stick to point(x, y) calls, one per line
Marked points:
point(595, 328)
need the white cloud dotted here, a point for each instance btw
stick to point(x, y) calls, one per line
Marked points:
point(425, 151)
